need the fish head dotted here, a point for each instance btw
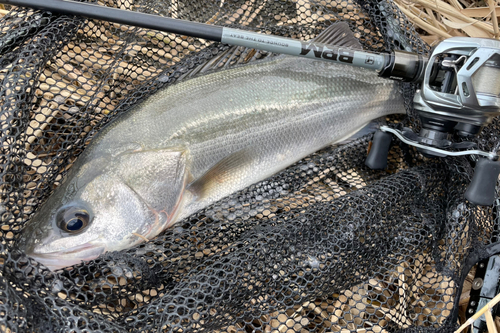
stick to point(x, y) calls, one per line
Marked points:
point(108, 211)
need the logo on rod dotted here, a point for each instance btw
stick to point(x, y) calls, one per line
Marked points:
point(327, 53)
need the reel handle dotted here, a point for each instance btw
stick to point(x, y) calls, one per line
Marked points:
point(481, 190)
point(377, 157)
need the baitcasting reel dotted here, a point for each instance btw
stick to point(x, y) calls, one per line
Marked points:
point(459, 94)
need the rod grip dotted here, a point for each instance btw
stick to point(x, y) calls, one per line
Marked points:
point(481, 190)
point(377, 157)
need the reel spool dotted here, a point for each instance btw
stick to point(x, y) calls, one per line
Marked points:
point(459, 94)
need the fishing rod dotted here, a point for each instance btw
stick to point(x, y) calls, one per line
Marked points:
point(398, 65)
point(459, 83)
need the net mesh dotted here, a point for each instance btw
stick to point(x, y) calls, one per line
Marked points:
point(326, 245)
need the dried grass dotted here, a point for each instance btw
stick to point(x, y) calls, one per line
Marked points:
point(439, 19)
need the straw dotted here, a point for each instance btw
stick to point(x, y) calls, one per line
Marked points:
point(439, 19)
point(485, 309)
point(494, 20)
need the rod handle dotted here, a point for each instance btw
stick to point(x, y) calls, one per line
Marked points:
point(377, 157)
point(482, 188)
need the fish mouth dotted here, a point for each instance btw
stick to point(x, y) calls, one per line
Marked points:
point(69, 257)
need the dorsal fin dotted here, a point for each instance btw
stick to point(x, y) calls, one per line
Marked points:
point(233, 56)
point(338, 34)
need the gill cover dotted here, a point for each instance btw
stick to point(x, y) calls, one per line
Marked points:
point(157, 176)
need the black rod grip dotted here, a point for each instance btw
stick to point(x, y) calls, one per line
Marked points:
point(482, 188)
point(377, 157)
point(155, 22)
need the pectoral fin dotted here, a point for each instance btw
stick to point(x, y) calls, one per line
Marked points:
point(227, 170)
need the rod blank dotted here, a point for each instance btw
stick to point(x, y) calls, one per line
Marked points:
point(358, 58)
point(155, 22)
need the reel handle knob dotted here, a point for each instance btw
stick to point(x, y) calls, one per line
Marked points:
point(377, 157)
point(481, 190)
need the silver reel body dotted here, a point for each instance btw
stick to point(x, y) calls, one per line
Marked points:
point(472, 94)
point(459, 94)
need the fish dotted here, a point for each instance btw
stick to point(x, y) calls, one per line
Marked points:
point(198, 141)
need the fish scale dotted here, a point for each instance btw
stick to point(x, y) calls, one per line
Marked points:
point(198, 141)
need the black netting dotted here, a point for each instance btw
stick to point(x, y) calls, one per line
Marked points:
point(326, 245)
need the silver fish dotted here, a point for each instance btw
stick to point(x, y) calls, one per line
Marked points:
point(196, 142)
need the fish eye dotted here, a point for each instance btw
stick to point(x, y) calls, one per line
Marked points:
point(73, 219)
